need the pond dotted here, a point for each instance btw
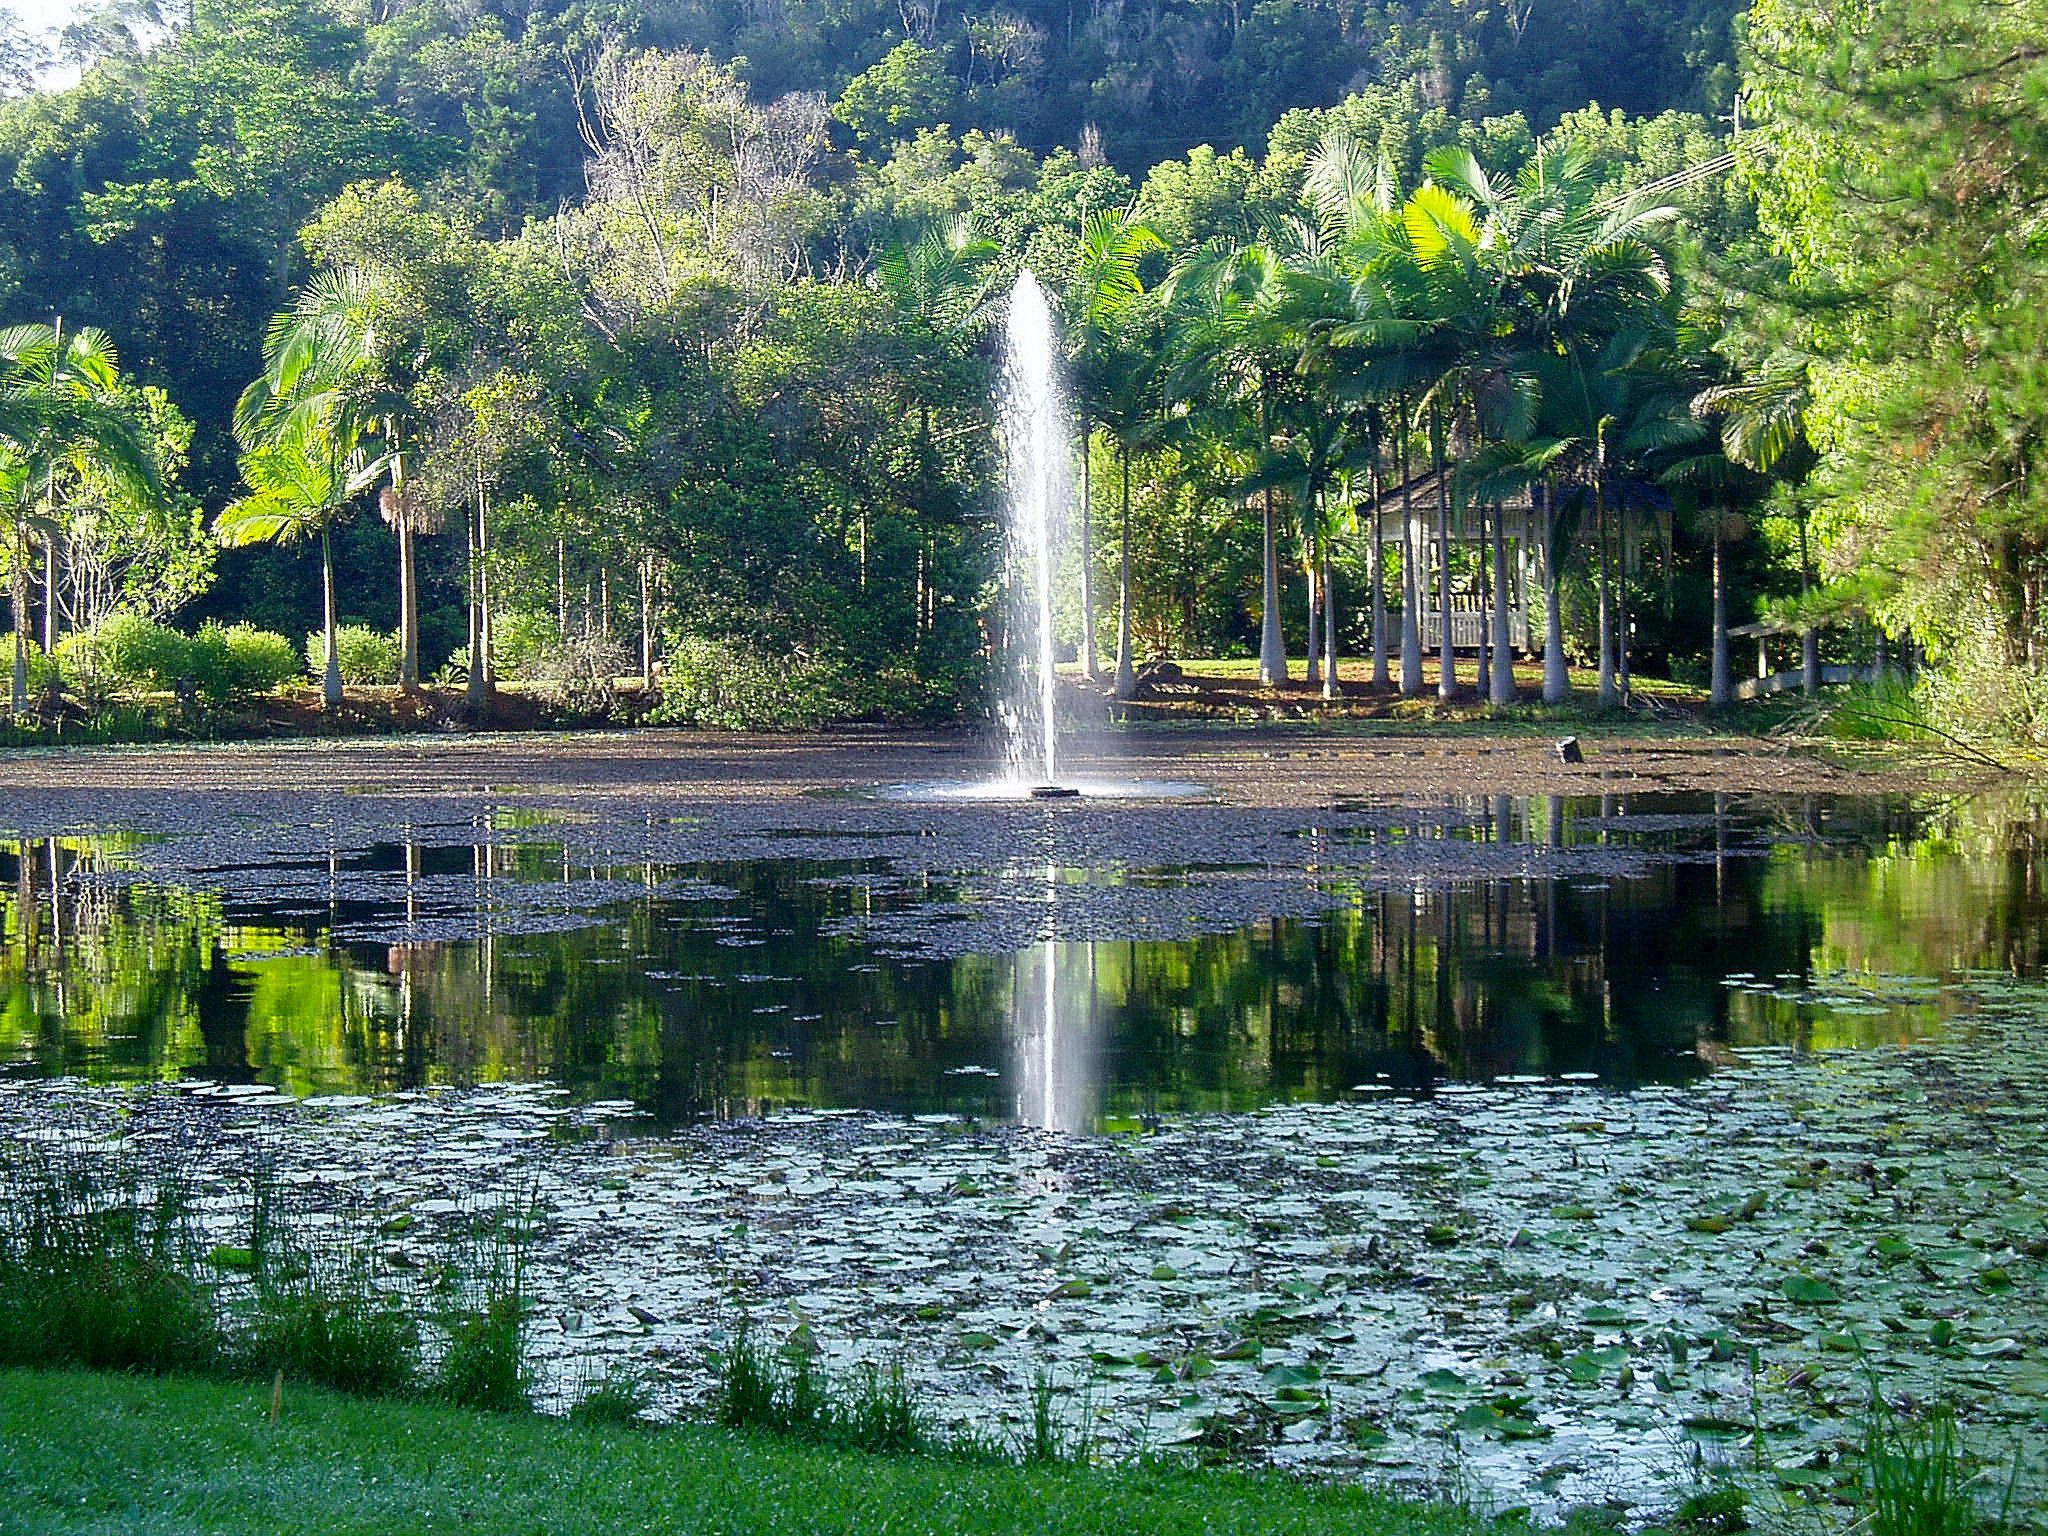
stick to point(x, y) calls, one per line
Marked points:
point(1554, 1147)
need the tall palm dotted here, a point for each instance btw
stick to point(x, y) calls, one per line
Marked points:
point(1240, 341)
point(1576, 268)
point(1115, 355)
point(327, 357)
point(302, 478)
point(58, 421)
point(941, 286)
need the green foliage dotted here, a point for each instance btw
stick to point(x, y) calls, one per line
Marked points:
point(368, 657)
point(484, 1322)
point(218, 664)
point(324, 1321)
point(735, 686)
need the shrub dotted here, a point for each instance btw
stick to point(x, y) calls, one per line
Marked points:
point(132, 653)
point(259, 660)
point(582, 672)
point(367, 656)
point(739, 687)
point(521, 641)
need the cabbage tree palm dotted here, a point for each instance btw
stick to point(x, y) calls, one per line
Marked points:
point(302, 478)
point(1240, 340)
point(327, 358)
point(941, 286)
point(1115, 353)
point(58, 421)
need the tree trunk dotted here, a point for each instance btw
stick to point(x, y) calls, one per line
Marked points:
point(1411, 589)
point(562, 588)
point(1503, 642)
point(1447, 666)
point(1091, 667)
point(1312, 671)
point(19, 595)
point(1483, 683)
point(1609, 696)
point(1622, 622)
point(1720, 691)
point(50, 544)
point(330, 686)
point(1809, 661)
point(1126, 673)
point(1331, 687)
point(1377, 550)
point(478, 693)
point(1557, 683)
point(408, 608)
point(646, 625)
point(1272, 647)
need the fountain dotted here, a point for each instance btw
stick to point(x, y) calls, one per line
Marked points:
point(1036, 450)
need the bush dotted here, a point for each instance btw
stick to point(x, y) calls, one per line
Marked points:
point(736, 686)
point(259, 660)
point(521, 641)
point(368, 656)
point(581, 674)
point(129, 653)
point(133, 654)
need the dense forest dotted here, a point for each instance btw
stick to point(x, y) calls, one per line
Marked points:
point(469, 341)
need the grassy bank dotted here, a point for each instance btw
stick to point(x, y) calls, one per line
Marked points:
point(82, 1451)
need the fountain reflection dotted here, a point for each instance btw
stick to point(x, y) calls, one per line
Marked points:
point(1056, 1040)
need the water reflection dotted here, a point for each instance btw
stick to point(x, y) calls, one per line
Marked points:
point(732, 988)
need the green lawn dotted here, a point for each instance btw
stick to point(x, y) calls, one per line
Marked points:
point(87, 1452)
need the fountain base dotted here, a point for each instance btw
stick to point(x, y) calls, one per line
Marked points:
point(1054, 792)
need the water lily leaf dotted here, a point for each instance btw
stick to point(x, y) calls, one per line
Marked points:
point(1810, 1290)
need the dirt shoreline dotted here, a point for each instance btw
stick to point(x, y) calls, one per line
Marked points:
point(1252, 766)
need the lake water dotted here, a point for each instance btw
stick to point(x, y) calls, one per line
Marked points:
point(1557, 1148)
point(1669, 933)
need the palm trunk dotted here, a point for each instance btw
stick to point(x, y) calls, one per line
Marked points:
point(1090, 664)
point(1609, 696)
point(1621, 608)
point(1503, 643)
point(330, 689)
point(1272, 646)
point(1411, 589)
point(1126, 673)
point(1312, 672)
point(1331, 687)
point(50, 547)
point(1719, 690)
point(646, 625)
point(1447, 666)
point(18, 594)
point(478, 692)
point(1483, 682)
point(1557, 684)
point(1376, 549)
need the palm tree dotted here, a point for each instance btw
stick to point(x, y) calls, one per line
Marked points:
point(58, 422)
point(327, 356)
point(1244, 319)
point(1115, 373)
point(941, 285)
point(301, 479)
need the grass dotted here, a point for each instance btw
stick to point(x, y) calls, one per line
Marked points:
point(81, 1452)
